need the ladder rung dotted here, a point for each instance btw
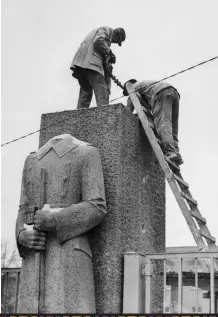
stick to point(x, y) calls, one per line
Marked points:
point(147, 112)
point(198, 216)
point(153, 128)
point(189, 198)
point(151, 125)
point(181, 181)
point(207, 236)
point(172, 164)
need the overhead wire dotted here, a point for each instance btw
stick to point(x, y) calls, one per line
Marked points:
point(112, 100)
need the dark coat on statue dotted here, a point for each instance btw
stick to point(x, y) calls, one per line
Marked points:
point(74, 180)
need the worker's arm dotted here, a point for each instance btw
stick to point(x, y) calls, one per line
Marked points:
point(102, 41)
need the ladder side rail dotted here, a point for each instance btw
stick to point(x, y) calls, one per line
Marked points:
point(186, 213)
point(165, 167)
point(149, 132)
point(202, 225)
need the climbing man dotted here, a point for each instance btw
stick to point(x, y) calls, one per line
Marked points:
point(88, 65)
point(162, 101)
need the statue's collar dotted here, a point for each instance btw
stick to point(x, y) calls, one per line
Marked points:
point(61, 147)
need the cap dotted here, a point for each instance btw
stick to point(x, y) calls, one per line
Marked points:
point(132, 81)
point(121, 35)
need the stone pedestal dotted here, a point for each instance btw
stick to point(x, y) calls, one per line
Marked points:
point(135, 192)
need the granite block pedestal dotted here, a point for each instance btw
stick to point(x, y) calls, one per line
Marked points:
point(135, 192)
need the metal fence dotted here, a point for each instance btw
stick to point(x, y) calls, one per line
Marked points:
point(10, 278)
point(155, 283)
point(171, 283)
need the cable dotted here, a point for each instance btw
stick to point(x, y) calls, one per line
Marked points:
point(26, 135)
point(170, 76)
point(182, 71)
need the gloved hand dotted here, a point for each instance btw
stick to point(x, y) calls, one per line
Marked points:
point(44, 219)
point(107, 65)
point(32, 239)
point(112, 58)
point(110, 68)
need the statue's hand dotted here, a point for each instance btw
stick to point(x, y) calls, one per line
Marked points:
point(32, 239)
point(44, 220)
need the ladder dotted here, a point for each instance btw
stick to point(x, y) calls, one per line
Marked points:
point(189, 206)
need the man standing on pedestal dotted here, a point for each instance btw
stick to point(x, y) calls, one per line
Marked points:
point(71, 192)
point(88, 65)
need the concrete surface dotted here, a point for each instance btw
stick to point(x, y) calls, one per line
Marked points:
point(135, 194)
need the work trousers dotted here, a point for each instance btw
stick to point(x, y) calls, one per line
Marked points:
point(90, 81)
point(165, 110)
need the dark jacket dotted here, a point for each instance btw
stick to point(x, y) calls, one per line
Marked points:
point(92, 50)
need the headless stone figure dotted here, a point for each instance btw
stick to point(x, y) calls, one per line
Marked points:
point(73, 199)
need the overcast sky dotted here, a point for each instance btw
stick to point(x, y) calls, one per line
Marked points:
point(39, 40)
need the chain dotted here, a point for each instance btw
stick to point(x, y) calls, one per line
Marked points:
point(108, 71)
point(116, 81)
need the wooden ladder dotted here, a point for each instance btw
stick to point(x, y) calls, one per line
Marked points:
point(179, 187)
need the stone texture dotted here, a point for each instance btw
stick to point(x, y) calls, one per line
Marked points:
point(135, 193)
point(59, 174)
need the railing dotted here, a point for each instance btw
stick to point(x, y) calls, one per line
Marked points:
point(155, 283)
point(10, 278)
point(144, 276)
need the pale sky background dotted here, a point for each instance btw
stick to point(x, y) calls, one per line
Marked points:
point(39, 40)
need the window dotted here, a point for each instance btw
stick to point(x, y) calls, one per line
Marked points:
point(199, 309)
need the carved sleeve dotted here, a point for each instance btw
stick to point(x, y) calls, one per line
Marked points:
point(21, 213)
point(79, 218)
point(100, 41)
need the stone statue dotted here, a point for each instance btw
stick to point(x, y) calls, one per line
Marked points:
point(63, 193)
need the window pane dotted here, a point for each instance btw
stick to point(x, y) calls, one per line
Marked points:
point(189, 289)
point(171, 287)
point(204, 285)
point(216, 284)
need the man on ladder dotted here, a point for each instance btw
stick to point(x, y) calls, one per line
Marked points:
point(162, 100)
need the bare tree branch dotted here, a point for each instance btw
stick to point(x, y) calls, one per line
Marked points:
point(9, 255)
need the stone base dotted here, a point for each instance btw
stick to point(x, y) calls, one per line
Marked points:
point(135, 192)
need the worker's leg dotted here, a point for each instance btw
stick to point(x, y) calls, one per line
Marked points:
point(175, 117)
point(100, 87)
point(85, 94)
point(175, 120)
point(162, 113)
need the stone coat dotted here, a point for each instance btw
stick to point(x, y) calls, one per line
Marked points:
point(91, 51)
point(73, 179)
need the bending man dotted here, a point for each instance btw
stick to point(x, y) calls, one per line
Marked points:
point(162, 100)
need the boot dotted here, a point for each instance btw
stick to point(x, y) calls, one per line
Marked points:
point(178, 160)
point(170, 155)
